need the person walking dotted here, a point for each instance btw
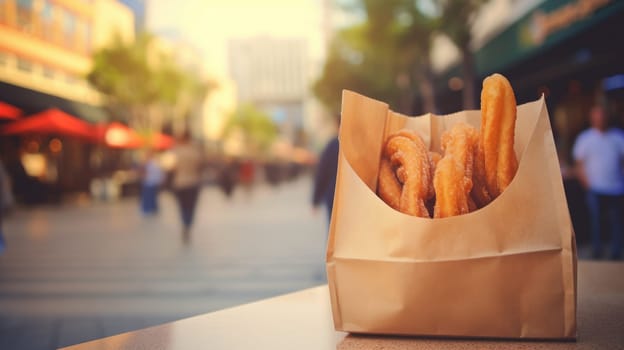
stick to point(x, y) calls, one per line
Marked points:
point(153, 177)
point(6, 200)
point(325, 177)
point(186, 180)
point(598, 153)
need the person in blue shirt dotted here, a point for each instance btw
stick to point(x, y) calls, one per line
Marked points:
point(598, 153)
point(153, 177)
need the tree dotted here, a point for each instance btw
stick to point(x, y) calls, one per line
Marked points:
point(353, 64)
point(137, 80)
point(456, 22)
point(385, 57)
point(415, 40)
point(255, 127)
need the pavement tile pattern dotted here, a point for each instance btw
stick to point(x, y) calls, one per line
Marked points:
point(78, 272)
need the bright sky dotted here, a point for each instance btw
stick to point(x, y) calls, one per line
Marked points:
point(208, 24)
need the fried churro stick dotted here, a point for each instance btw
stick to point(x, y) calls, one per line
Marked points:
point(460, 142)
point(498, 122)
point(434, 158)
point(411, 154)
point(388, 185)
point(400, 171)
point(451, 198)
point(480, 193)
point(453, 183)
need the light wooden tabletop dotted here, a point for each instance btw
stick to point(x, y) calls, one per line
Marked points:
point(303, 320)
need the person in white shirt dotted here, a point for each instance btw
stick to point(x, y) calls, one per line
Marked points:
point(598, 153)
point(186, 180)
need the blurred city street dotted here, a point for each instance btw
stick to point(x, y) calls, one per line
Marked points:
point(77, 272)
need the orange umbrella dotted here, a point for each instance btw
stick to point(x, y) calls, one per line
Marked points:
point(8, 111)
point(51, 121)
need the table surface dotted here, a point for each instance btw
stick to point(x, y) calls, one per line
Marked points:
point(303, 320)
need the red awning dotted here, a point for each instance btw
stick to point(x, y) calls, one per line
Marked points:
point(8, 111)
point(51, 121)
point(118, 135)
point(161, 141)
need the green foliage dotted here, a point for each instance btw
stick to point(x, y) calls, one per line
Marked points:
point(387, 55)
point(135, 76)
point(380, 57)
point(353, 63)
point(456, 22)
point(458, 18)
point(122, 72)
point(256, 127)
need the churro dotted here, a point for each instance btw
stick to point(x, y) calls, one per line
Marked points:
point(475, 167)
point(388, 185)
point(453, 183)
point(404, 175)
point(498, 122)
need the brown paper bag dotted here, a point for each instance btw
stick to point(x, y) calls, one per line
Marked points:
point(507, 270)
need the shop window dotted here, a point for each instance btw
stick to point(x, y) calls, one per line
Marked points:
point(48, 72)
point(70, 79)
point(81, 36)
point(24, 65)
point(47, 13)
point(69, 28)
point(87, 37)
point(24, 15)
point(4, 11)
point(56, 34)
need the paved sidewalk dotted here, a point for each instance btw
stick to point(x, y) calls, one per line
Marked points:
point(76, 273)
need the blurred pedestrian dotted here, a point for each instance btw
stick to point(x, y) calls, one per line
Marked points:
point(599, 152)
point(153, 177)
point(227, 176)
point(6, 201)
point(186, 180)
point(247, 174)
point(325, 177)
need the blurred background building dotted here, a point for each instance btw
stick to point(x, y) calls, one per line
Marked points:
point(562, 49)
point(139, 9)
point(46, 51)
point(259, 84)
point(189, 58)
point(271, 73)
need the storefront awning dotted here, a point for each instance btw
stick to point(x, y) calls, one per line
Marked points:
point(548, 24)
point(31, 101)
point(118, 135)
point(50, 122)
point(8, 111)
